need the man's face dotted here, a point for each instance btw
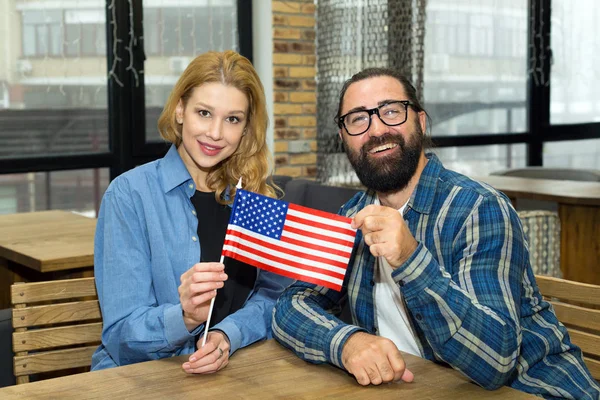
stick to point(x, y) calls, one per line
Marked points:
point(384, 158)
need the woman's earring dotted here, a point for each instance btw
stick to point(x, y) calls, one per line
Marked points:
point(179, 120)
point(244, 131)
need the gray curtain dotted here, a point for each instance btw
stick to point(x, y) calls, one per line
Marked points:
point(353, 35)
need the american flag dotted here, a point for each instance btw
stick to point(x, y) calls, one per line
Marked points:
point(291, 240)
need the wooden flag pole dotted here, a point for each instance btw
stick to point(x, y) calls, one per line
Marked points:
point(212, 301)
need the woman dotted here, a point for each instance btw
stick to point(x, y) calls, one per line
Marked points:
point(159, 220)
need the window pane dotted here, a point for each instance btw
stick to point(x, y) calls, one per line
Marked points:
point(41, 32)
point(72, 39)
point(575, 86)
point(42, 39)
point(53, 102)
point(56, 41)
point(482, 160)
point(152, 33)
point(475, 66)
point(29, 40)
point(88, 39)
point(573, 154)
point(176, 31)
point(100, 39)
point(79, 190)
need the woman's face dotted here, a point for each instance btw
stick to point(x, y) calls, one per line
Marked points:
point(213, 122)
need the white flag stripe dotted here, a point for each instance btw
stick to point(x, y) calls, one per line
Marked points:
point(319, 231)
point(283, 254)
point(322, 220)
point(289, 268)
point(305, 239)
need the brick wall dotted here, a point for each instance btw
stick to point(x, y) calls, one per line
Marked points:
point(294, 88)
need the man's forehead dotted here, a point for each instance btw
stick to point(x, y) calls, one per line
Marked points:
point(370, 92)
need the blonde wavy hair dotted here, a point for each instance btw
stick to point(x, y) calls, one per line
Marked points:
point(252, 159)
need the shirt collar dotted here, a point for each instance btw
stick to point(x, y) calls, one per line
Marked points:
point(172, 171)
point(422, 197)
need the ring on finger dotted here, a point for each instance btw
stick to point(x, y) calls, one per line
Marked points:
point(220, 352)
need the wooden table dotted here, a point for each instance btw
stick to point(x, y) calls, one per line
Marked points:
point(579, 214)
point(262, 371)
point(44, 245)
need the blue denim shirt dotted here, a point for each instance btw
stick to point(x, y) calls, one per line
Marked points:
point(145, 239)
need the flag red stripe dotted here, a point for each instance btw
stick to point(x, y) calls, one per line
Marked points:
point(316, 224)
point(316, 247)
point(319, 213)
point(324, 238)
point(304, 278)
point(261, 252)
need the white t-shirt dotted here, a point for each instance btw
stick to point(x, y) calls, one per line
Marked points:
point(392, 318)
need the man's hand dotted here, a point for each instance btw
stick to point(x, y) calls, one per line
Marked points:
point(210, 358)
point(374, 360)
point(386, 234)
point(198, 286)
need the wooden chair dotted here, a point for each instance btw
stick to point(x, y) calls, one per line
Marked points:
point(57, 326)
point(577, 306)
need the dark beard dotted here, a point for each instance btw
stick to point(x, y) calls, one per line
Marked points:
point(393, 173)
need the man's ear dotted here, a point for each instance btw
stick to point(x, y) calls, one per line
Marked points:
point(423, 121)
point(179, 112)
point(340, 134)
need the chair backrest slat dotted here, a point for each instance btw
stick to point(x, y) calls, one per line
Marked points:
point(577, 316)
point(56, 313)
point(593, 366)
point(576, 292)
point(53, 360)
point(589, 343)
point(49, 338)
point(52, 290)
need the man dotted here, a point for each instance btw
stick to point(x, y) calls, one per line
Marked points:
point(440, 267)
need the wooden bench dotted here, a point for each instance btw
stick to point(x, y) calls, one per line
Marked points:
point(577, 306)
point(57, 326)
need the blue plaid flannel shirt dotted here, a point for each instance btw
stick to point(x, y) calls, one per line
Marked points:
point(469, 289)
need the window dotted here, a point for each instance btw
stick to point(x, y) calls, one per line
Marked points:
point(42, 33)
point(186, 31)
point(575, 88)
point(76, 190)
point(54, 108)
point(69, 32)
point(478, 161)
point(584, 154)
point(475, 77)
point(174, 33)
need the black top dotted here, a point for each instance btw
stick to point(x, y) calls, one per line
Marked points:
point(213, 219)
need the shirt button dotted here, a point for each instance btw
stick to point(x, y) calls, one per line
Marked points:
point(418, 317)
point(401, 283)
point(372, 283)
point(191, 186)
point(194, 238)
point(194, 212)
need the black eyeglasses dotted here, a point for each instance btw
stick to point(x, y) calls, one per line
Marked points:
point(393, 113)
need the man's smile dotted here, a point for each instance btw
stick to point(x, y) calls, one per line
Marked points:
point(383, 147)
